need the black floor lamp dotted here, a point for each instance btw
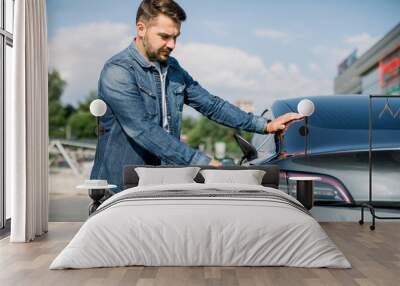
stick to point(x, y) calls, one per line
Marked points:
point(306, 108)
point(97, 189)
point(98, 108)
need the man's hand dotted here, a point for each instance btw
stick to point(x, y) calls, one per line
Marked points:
point(215, 163)
point(282, 122)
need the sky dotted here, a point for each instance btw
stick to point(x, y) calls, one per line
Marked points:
point(256, 50)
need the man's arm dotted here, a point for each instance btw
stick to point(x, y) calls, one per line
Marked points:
point(220, 110)
point(118, 89)
point(225, 113)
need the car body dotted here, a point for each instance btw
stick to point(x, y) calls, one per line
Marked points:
point(338, 148)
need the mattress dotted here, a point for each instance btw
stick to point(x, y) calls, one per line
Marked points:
point(201, 225)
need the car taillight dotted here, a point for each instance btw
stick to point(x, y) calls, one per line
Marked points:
point(326, 188)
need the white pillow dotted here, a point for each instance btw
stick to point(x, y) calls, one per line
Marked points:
point(249, 177)
point(162, 176)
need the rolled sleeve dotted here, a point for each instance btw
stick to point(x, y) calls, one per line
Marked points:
point(259, 124)
point(200, 159)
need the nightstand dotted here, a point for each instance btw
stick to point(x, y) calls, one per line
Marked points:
point(96, 190)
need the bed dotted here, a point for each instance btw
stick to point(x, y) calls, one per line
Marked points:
point(201, 224)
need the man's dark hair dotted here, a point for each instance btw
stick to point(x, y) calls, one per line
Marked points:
point(150, 9)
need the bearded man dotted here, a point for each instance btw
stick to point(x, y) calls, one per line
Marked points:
point(145, 90)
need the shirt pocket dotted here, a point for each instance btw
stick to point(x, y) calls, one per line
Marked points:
point(179, 96)
point(149, 100)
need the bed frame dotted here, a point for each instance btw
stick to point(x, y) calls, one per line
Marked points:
point(270, 179)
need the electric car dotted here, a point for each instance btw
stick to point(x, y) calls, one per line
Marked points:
point(333, 144)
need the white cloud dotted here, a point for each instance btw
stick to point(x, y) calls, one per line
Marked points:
point(216, 65)
point(331, 54)
point(79, 53)
point(329, 58)
point(362, 42)
point(314, 67)
point(271, 34)
point(235, 74)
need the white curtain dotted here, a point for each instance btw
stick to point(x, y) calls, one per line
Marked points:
point(27, 124)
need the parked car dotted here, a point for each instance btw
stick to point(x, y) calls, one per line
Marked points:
point(335, 147)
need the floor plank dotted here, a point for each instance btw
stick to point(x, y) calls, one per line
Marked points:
point(374, 255)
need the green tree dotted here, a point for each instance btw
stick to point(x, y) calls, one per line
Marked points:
point(208, 132)
point(188, 123)
point(69, 110)
point(84, 105)
point(82, 123)
point(57, 114)
point(56, 86)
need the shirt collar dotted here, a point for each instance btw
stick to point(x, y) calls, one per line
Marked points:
point(163, 69)
point(137, 56)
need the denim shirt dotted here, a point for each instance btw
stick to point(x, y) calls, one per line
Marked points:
point(133, 135)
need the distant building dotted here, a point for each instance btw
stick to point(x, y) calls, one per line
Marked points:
point(245, 105)
point(377, 71)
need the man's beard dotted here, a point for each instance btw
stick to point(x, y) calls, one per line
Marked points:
point(161, 55)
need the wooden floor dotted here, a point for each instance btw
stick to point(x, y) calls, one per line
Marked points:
point(374, 255)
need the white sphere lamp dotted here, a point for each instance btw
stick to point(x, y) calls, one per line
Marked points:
point(306, 107)
point(98, 107)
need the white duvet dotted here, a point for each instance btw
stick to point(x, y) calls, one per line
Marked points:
point(203, 231)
